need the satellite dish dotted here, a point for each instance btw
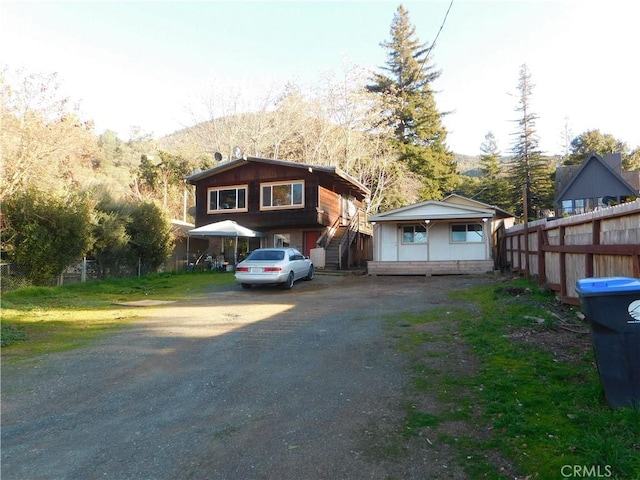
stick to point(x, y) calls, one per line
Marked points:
point(237, 153)
point(217, 156)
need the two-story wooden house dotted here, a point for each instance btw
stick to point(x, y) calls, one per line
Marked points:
point(305, 206)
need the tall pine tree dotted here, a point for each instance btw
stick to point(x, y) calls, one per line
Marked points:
point(530, 174)
point(494, 187)
point(409, 108)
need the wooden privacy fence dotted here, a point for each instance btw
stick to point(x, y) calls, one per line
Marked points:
point(605, 243)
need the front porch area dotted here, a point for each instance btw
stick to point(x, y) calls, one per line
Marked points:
point(444, 267)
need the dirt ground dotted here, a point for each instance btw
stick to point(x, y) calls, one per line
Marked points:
point(257, 384)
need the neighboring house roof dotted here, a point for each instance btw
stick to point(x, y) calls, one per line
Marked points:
point(434, 210)
point(338, 174)
point(632, 178)
point(603, 180)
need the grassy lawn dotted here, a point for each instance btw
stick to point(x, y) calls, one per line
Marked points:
point(542, 413)
point(38, 320)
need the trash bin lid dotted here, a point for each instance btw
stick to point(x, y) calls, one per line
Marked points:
point(607, 286)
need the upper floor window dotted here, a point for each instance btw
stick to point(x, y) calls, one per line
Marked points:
point(414, 234)
point(282, 195)
point(225, 199)
point(567, 207)
point(469, 233)
point(580, 205)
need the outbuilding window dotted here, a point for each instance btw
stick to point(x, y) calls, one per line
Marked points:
point(467, 233)
point(414, 234)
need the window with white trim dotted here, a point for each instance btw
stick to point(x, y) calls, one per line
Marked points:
point(414, 234)
point(282, 195)
point(227, 199)
point(467, 233)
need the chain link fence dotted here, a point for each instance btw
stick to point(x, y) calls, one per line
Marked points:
point(13, 276)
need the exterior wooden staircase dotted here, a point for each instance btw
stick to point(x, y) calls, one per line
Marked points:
point(338, 245)
point(333, 249)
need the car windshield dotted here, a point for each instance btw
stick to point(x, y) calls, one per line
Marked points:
point(267, 255)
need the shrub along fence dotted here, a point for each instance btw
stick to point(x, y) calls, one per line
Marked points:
point(604, 243)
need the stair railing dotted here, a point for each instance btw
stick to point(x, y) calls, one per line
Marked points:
point(344, 248)
point(327, 236)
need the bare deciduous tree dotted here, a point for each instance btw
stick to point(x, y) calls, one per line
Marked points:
point(42, 137)
point(335, 124)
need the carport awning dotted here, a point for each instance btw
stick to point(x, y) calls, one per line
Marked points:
point(225, 228)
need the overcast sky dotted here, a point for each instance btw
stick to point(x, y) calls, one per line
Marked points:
point(146, 63)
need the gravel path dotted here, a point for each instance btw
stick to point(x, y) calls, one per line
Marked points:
point(258, 384)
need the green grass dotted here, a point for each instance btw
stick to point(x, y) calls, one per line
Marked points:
point(40, 320)
point(541, 413)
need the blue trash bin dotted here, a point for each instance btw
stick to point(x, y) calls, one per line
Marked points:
point(612, 307)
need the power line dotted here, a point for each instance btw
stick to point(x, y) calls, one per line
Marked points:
point(444, 20)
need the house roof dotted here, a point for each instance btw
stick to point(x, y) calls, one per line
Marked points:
point(435, 210)
point(632, 178)
point(180, 227)
point(338, 174)
point(450, 208)
point(571, 175)
point(455, 198)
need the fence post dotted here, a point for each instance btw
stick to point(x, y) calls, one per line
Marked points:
point(542, 265)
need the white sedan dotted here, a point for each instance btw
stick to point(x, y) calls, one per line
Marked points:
point(266, 266)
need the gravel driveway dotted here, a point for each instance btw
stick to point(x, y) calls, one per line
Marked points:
point(258, 384)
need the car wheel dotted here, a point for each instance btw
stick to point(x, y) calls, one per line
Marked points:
point(246, 286)
point(288, 285)
point(310, 274)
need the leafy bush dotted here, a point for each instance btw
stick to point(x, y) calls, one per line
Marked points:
point(127, 236)
point(44, 232)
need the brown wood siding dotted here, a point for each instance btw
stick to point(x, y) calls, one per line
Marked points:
point(329, 206)
point(253, 176)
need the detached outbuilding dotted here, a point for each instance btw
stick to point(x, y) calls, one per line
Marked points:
point(456, 235)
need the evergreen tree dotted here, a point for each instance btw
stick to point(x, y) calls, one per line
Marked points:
point(593, 141)
point(494, 187)
point(530, 174)
point(409, 108)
